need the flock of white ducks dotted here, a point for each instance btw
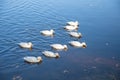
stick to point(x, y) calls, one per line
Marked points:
point(71, 26)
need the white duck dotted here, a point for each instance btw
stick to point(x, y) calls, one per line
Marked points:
point(32, 59)
point(72, 23)
point(71, 28)
point(78, 44)
point(75, 34)
point(51, 54)
point(26, 45)
point(48, 32)
point(59, 47)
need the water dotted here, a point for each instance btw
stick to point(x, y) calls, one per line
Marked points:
point(21, 21)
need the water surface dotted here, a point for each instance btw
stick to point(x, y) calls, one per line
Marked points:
point(22, 21)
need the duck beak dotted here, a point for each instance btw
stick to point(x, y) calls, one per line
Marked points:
point(41, 60)
point(84, 46)
point(57, 57)
point(65, 49)
point(80, 37)
point(77, 28)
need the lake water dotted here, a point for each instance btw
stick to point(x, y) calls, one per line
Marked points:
point(22, 21)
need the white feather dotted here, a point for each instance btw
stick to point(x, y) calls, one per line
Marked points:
point(50, 54)
point(75, 34)
point(47, 32)
point(32, 59)
point(59, 46)
point(26, 44)
point(78, 44)
point(73, 23)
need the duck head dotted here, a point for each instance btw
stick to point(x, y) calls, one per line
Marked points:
point(57, 55)
point(80, 35)
point(39, 58)
point(84, 45)
point(65, 47)
point(31, 45)
point(52, 31)
point(76, 27)
point(77, 23)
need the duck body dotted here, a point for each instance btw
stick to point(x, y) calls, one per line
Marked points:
point(59, 47)
point(78, 44)
point(26, 44)
point(47, 32)
point(73, 23)
point(50, 54)
point(75, 34)
point(32, 59)
point(70, 28)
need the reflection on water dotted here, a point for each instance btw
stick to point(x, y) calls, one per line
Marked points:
point(22, 21)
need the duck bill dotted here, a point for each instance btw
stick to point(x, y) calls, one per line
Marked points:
point(41, 60)
point(65, 49)
point(57, 57)
point(80, 37)
point(84, 46)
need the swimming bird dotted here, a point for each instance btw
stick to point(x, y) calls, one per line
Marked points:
point(26, 45)
point(78, 44)
point(51, 54)
point(32, 59)
point(59, 47)
point(75, 34)
point(48, 32)
point(73, 23)
point(71, 28)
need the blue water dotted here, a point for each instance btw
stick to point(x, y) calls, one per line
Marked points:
point(22, 21)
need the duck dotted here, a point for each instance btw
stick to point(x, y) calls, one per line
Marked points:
point(59, 47)
point(78, 44)
point(70, 28)
point(48, 32)
point(73, 23)
point(75, 34)
point(26, 45)
point(32, 59)
point(51, 54)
